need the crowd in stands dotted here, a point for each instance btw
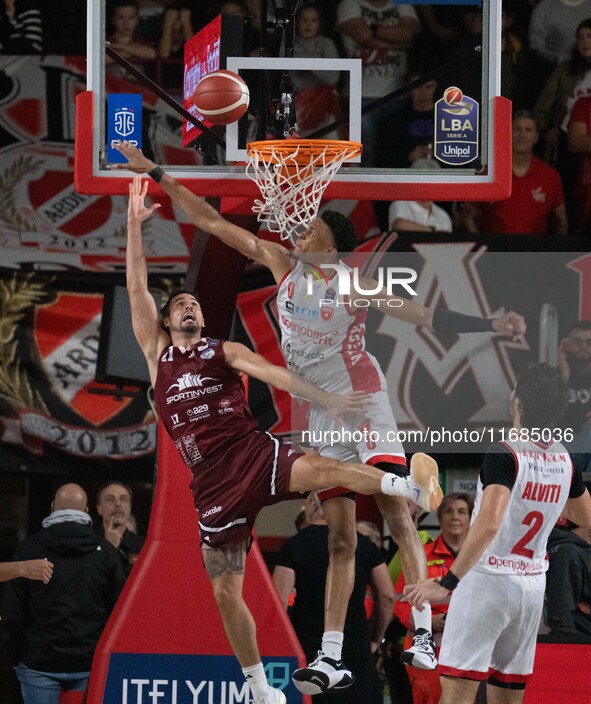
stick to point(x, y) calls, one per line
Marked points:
point(60, 588)
point(90, 564)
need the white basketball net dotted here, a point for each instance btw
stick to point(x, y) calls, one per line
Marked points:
point(292, 176)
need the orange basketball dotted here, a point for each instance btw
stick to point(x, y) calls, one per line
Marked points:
point(453, 95)
point(221, 97)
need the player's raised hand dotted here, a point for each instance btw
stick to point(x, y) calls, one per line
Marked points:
point(510, 324)
point(425, 591)
point(41, 570)
point(137, 211)
point(136, 161)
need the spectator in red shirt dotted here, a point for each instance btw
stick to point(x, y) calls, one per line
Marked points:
point(536, 205)
point(454, 514)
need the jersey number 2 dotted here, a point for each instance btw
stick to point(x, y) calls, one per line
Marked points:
point(535, 519)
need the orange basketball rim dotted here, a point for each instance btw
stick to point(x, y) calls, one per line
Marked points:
point(292, 175)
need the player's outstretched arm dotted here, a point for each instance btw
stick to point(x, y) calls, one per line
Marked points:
point(241, 359)
point(494, 504)
point(144, 315)
point(204, 216)
point(511, 324)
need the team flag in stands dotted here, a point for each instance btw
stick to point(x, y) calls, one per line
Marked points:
point(48, 350)
point(44, 222)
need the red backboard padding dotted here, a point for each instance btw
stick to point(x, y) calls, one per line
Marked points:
point(167, 605)
point(86, 180)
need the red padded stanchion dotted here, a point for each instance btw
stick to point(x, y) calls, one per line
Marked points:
point(165, 641)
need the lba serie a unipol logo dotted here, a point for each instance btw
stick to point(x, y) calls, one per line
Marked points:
point(456, 128)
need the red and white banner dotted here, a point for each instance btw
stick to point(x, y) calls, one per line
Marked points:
point(49, 343)
point(44, 222)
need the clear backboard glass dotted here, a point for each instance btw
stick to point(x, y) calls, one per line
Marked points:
point(418, 85)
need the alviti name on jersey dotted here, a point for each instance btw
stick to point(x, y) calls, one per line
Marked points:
point(545, 493)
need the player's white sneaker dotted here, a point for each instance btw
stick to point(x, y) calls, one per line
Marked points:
point(421, 653)
point(275, 696)
point(424, 482)
point(323, 675)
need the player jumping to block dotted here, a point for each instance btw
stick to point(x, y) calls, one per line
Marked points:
point(343, 371)
point(237, 468)
point(498, 578)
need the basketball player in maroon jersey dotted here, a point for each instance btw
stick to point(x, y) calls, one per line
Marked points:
point(498, 578)
point(237, 468)
point(332, 233)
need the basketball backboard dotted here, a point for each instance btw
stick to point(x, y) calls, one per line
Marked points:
point(464, 133)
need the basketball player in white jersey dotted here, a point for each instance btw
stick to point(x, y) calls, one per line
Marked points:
point(332, 354)
point(498, 578)
point(236, 468)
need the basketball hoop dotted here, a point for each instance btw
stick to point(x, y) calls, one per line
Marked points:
point(292, 175)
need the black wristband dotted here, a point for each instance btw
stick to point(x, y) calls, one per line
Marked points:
point(450, 321)
point(157, 173)
point(449, 581)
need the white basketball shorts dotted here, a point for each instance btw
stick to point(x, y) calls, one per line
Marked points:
point(491, 627)
point(370, 437)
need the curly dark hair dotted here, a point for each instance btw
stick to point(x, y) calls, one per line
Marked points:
point(543, 395)
point(343, 230)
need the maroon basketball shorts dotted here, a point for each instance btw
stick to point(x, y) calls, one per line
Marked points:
point(231, 488)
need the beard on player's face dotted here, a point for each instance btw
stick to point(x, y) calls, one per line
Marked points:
point(189, 327)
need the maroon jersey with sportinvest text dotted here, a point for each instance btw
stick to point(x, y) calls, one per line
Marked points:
point(201, 401)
